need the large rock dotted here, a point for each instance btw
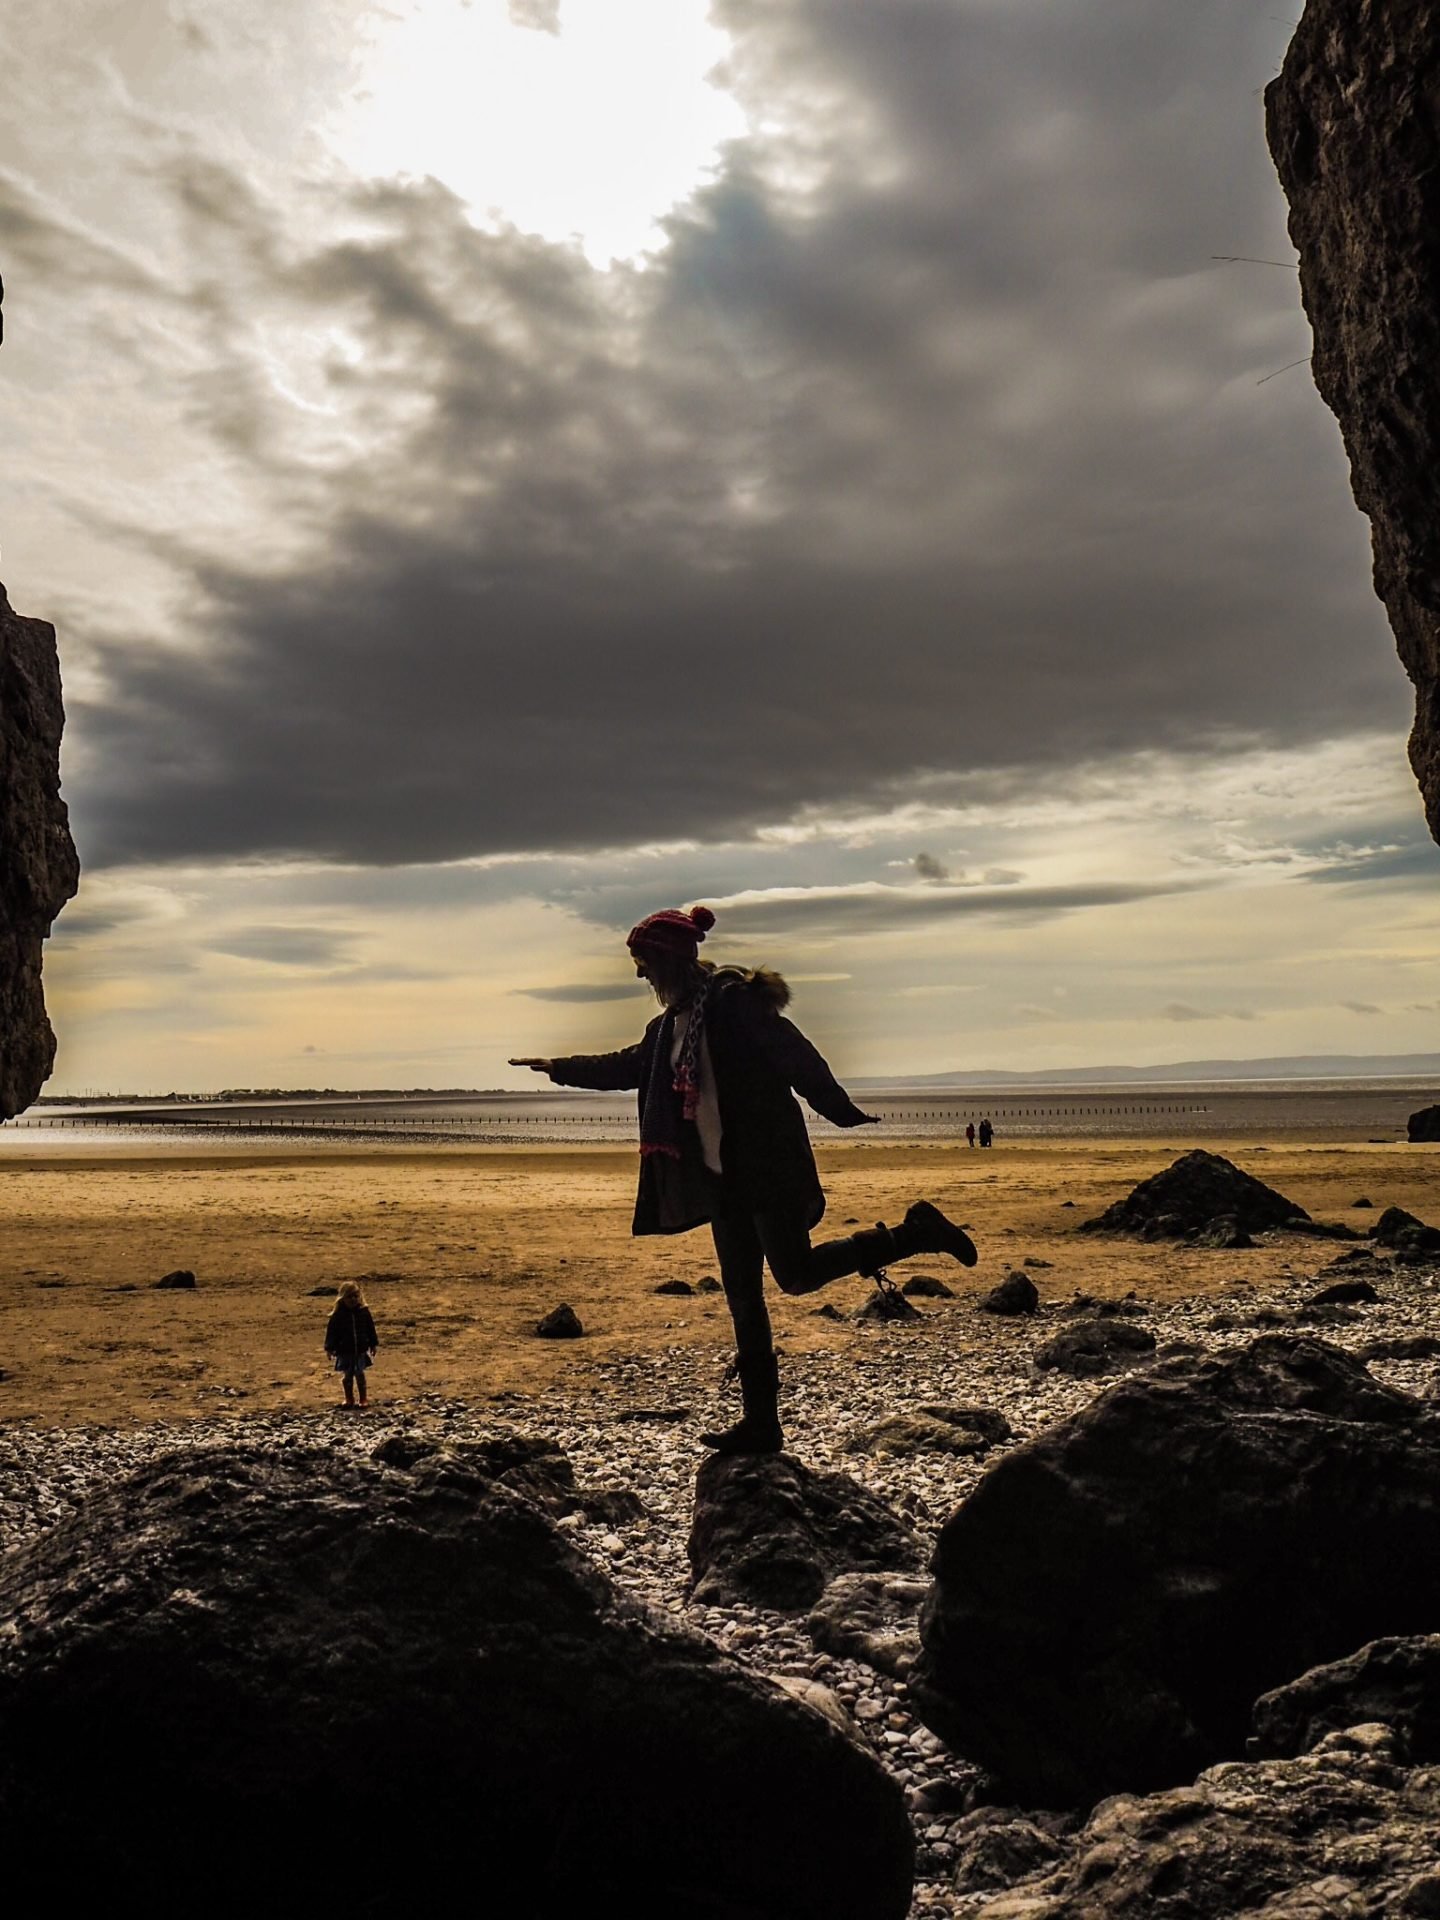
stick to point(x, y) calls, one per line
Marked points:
point(773, 1532)
point(1344, 1833)
point(39, 870)
point(1354, 128)
point(1396, 1681)
point(1117, 1591)
point(398, 1690)
point(1193, 1191)
point(1424, 1125)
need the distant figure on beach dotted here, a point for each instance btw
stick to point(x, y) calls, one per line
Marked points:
point(969, 1133)
point(722, 1141)
point(987, 1134)
point(351, 1340)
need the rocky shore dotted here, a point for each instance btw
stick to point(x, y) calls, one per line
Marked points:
point(857, 1416)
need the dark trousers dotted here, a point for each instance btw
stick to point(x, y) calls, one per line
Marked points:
point(745, 1241)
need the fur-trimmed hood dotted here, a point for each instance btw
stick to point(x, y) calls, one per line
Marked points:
point(763, 982)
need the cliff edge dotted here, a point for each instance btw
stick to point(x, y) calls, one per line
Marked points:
point(1353, 122)
point(39, 869)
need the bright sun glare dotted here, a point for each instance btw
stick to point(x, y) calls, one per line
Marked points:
point(589, 133)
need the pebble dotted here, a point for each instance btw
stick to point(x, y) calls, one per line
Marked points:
point(956, 1356)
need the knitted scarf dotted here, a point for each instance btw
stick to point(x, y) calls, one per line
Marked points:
point(662, 1115)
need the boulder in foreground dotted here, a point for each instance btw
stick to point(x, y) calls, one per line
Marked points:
point(1195, 1190)
point(1118, 1590)
point(1424, 1125)
point(210, 1663)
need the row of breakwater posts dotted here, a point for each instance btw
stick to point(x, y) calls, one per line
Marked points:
point(466, 1127)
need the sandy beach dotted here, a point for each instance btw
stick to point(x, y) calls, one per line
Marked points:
point(462, 1250)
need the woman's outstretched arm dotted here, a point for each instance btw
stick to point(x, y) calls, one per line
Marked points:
point(601, 1072)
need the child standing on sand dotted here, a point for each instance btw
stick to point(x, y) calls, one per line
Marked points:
point(351, 1339)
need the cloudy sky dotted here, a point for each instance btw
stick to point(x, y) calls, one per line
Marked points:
point(501, 468)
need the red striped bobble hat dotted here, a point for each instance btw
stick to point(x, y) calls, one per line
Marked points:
point(671, 932)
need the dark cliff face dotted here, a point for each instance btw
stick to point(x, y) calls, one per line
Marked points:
point(39, 870)
point(1353, 122)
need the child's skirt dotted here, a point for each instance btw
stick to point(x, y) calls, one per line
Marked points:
point(352, 1362)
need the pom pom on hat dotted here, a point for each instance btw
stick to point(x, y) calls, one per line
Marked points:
point(672, 931)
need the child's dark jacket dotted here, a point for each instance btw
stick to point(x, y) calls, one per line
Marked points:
point(758, 1057)
point(350, 1333)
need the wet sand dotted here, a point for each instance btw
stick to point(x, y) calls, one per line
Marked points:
point(461, 1250)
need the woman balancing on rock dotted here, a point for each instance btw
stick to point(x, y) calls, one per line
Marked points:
point(722, 1140)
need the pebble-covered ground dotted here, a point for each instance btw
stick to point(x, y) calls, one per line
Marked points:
point(955, 1355)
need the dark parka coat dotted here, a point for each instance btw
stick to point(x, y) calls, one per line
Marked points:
point(351, 1332)
point(760, 1062)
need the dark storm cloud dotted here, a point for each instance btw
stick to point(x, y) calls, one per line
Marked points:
point(951, 464)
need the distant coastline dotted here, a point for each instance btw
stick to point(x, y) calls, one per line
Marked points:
point(1370, 1068)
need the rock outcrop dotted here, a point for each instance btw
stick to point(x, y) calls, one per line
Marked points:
point(400, 1688)
point(1118, 1590)
point(1343, 1833)
point(39, 870)
point(1353, 121)
point(1423, 1126)
point(1198, 1191)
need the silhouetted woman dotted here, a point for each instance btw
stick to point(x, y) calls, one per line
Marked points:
point(722, 1141)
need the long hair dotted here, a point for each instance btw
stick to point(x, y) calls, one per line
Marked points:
point(351, 1295)
point(674, 977)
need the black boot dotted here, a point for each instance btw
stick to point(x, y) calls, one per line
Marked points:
point(758, 1429)
point(926, 1230)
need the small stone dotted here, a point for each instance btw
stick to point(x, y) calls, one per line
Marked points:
point(888, 1303)
point(1016, 1294)
point(675, 1287)
point(1345, 1293)
point(561, 1323)
point(180, 1278)
point(925, 1286)
point(708, 1285)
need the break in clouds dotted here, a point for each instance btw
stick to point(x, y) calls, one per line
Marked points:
point(927, 446)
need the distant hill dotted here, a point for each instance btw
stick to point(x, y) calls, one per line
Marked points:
point(1290, 1066)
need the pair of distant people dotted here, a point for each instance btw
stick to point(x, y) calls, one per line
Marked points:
point(986, 1134)
point(723, 1144)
